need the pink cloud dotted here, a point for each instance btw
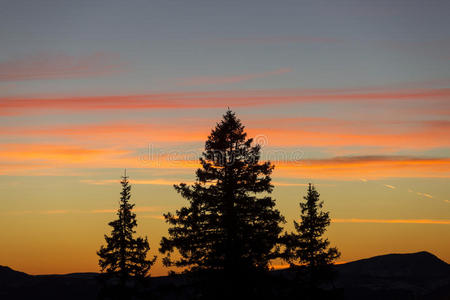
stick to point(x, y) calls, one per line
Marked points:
point(211, 80)
point(60, 66)
point(316, 132)
point(214, 99)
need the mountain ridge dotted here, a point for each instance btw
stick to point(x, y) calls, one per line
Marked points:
point(419, 275)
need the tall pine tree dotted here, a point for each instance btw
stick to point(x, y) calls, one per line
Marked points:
point(230, 224)
point(124, 256)
point(307, 248)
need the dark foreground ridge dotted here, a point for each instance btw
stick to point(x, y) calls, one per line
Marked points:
point(394, 276)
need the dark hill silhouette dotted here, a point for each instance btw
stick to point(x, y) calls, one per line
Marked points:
point(19, 285)
point(9, 275)
point(394, 276)
point(401, 265)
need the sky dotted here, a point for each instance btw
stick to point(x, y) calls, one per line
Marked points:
point(353, 96)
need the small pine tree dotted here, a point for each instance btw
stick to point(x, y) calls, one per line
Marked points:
point(124, 257)
point(307, 248)
point(228, 227)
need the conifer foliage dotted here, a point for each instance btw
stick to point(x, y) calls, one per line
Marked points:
point(125, 256)
point(307, 246)
point(230, 224)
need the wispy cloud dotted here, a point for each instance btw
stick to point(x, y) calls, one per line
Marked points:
point(393, 221)
point(55, 152)
point(370, 125)
point(30, 160)
point(157, 181)
point(284, 183)
point(215, 99)
point(216, 80)
point(371, 167)
point(425, 195)
point(60, 66)
point(420, 136)
point(423, 135)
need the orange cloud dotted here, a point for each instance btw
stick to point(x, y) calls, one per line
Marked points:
point(420, 138)
point(360, 124)
point(60, 66)
point(368, 167)
point(26, 158)
point(330, 133)
point(211, 80)
point(390, 186)
point(425, 195)
point(48, 152)
point(55, 159)
point(215, 99)
point(158, 181)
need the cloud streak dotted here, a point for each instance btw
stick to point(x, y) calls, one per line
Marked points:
point(157, 181)
point(54, 152)
point(60, 66)
point(216, 80)
point(420, 138)
point(29, 159)
point(369, 167)
point(300, 132)
point(425, 195)
point(215, 99)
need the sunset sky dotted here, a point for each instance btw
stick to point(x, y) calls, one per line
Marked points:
point(353, 96)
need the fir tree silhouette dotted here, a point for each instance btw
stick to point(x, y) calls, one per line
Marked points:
point(124, 258)
point(307, 250)
point(230, 227)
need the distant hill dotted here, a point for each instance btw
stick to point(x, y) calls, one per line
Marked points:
point(18, 285)
point(394, 276)
point(10, 277)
